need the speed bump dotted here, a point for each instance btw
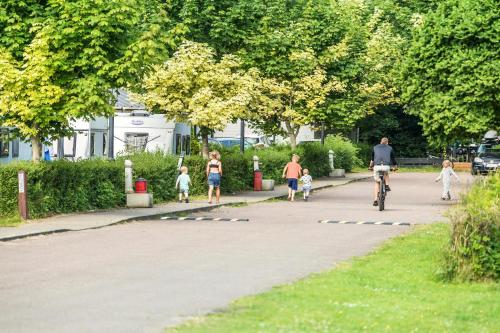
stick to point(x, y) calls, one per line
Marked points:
point(192, 218)
point(364, 222)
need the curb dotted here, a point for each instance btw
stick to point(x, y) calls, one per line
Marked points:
point(159, 215)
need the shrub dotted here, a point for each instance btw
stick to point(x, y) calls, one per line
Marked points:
point(271, 161)
point(473, 251)
point(65, 186)
point(364, 153)
point(314, 157)
point(345, 152)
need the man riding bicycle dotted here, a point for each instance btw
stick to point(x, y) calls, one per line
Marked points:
point(382, 159)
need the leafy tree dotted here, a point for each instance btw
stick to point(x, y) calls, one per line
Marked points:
point(294, 102)
point(193, 86)
point(61, 59)
point(452, 70)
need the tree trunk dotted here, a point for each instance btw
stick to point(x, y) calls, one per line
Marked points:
point(292, 134)
point(36, 149)
point(204, 142)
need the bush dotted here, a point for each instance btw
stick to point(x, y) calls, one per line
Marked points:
point(271, 161)
point(65, 187)
point(314, 157)
point(473, 251)
point(364, 153)
point(345, 152)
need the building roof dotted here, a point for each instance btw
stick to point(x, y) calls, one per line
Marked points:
point(125, 102)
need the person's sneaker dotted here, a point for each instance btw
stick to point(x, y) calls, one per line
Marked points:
point(443, 198)
point(387, 188)
point(187, 200)
point(449, 196)
point(180, 201)
point(306, 198)
point(375, 203)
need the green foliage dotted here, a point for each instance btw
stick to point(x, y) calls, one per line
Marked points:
point(63, 187)
point(314, 156)
point(451, 75)
point(399, 127)
point(345, 152)
point(473, 252)
point(73, 54)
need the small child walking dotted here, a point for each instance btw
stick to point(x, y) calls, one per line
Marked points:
point(182, 183)
point(292, 172)
point(445, 176)
point(306, 184)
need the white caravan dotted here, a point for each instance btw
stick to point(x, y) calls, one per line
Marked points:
point(134, 129)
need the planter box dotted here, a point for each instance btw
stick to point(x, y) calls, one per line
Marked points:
point(337, 173)
point(139, 200)
point(267, 184)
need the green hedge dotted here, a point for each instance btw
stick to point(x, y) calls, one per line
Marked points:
point(64, 187)
point(473, 252)
point(346, 153)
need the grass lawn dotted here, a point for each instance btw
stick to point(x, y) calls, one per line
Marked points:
point(394, 289)
point(10, 221)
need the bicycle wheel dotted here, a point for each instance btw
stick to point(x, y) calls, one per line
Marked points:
point(381, 195)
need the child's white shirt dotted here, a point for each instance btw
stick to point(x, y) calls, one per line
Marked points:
point(446, 174)
point(307, 180)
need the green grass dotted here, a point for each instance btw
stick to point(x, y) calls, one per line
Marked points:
point(394, 289)
point(10, 221)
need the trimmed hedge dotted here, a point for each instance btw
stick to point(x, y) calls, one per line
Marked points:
point(64, 187)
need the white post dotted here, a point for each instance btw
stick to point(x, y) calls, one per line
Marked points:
point(128, 177)
point(331, 157)
point(255, 163)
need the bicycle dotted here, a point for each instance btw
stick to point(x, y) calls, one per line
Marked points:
point(382, 188)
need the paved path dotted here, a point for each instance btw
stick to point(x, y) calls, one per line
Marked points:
point(142, 277)
point(77, 222)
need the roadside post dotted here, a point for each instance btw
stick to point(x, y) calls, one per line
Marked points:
point(257, 175)
point(128, 177)
point(179, 162)
point(334, 172)
point(22, 194)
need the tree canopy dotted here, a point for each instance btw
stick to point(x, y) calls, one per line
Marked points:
point(193, 86)
point(61, 59)
point(452, 70)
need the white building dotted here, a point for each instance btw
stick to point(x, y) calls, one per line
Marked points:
point(133, 129)
point(233, 130)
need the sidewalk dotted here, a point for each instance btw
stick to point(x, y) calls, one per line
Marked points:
point(100, 219)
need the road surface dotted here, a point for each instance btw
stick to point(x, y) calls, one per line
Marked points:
point(144, 276)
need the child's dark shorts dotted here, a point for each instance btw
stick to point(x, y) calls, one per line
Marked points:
point(293, 183)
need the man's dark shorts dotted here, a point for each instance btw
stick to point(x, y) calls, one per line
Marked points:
point(293, 183)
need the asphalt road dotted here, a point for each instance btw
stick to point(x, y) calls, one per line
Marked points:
point(144, 276)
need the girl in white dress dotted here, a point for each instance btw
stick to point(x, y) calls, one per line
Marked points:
point(445, 176)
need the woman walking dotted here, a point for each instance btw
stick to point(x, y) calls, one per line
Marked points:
point(214, 173)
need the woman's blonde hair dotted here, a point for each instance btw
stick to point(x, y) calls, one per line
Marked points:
point(296, 156)
point(184, 169)
point(446, 163)
point(214, 155)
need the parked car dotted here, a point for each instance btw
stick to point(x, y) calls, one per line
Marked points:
point(488, 155)
point(229, 142)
